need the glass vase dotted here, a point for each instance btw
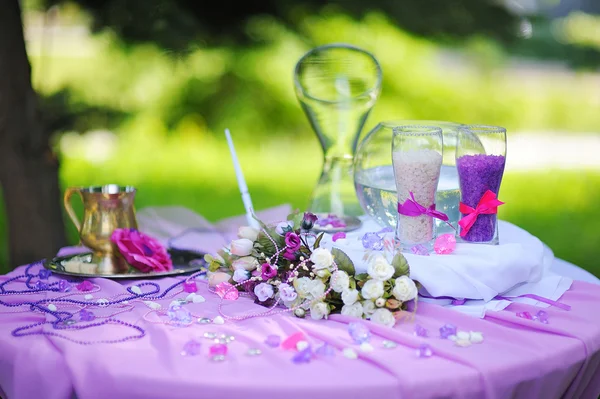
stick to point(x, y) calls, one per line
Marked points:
point(337, 86)
point(374, 174)
point(417, 161)
point(480, 160)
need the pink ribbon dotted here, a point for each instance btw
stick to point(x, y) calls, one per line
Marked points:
point(488, 205)
point(411, 207)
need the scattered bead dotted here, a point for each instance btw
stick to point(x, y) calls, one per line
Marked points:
point(69, 322)
point(191, 348)
point(179, 315)
point(350, 353)
point(217, 349)
point(420, 250)
point(88, 297)
point(218, 358)
point(366, 347)
point(86, 315)
point(525, 315)
point(325, 350)
point(301, 345)
point(476, 337)
point(85, 285)
point(338, 236)
point(219, 320)
point(136, 290)
point(447, 330)
point(153, 305)
point(210, 335)
point(303, 356)
point(424, 350)
point(204, 320)
point(44, 274)
point(190, 286)
point(254, 352)
point(372, 241)
point(542, 316)
point(389, 344)
point(52, 307)
point(273, 341)
point(359, 332)
point(444, 244)
point(462, 342)
point(420, 331)
point(291, 341)
point(227, 291)
point(40, 285)
point(195, 298)
point(463, 335)
point(102, 302)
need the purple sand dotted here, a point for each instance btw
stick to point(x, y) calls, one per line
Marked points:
point(477, 174)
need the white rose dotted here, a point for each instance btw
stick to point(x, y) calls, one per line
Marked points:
point(323, 273)
point(405, 289)
point(247, 263)
point(318, 310)
point(349, 296)
point(302, 286)
point(383, 316)
point(248, 232)
point(368, 308)
point(322, 258)
point(380, 269)
point(340, 281)
point(241, 247)
point(354, 310)
point(317, 289)
point(240, 275)
point(372, 289)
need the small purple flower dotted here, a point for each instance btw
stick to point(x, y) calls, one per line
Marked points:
point(268, 271)
point(309, 220)
point(287, 293)
point(263, 291)
point(292, 241)
point(338, 236)
point(289, 255)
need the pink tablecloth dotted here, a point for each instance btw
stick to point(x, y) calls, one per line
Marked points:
point(519, 358)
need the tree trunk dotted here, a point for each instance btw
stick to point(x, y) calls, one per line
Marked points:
point(28, 167)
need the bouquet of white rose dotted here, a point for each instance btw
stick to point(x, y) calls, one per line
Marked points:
point(286, 265)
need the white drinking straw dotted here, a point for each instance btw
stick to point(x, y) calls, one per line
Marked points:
point(241, 183)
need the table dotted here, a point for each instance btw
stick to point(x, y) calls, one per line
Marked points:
point(519, 358)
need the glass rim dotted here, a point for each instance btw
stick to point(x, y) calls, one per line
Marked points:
point(419, 122)
point(417, 130)
point(376, 86)
point(107, 189)
point(483, 129)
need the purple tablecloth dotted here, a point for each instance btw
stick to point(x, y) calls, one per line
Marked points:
point(519, 358)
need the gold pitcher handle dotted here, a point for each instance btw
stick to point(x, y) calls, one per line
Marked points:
point(69, 207)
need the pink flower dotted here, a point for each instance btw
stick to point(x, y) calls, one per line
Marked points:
point(217, 278)
point(85, 285)
point(142, 251)
point(268, 271)
point(292, 241)
point(338, 236)
point(289, 255)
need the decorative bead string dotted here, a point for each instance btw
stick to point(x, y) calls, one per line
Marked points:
point(63, 317)
point(271, 310)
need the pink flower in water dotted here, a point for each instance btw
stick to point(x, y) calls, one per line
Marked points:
point(141, 251)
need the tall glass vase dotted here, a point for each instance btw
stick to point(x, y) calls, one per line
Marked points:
point(337, 86)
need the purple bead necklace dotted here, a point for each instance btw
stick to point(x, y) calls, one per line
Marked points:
point(64, 320)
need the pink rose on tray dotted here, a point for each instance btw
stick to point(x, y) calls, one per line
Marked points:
point(142, 251)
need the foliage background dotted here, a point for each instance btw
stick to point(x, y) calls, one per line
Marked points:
point(152, 113)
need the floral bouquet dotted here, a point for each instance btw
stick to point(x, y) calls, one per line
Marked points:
point(285, 265)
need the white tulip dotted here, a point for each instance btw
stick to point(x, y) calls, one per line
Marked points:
point(383, 316)
point(248, 263)
point(354, 310)
point(349, 296)
point(322, 258)
point(372, 289)
point(241, 247)
point(380, 269)
point(369, 308)
point(302, 286)
point(319, 310)
point(248, 232)
point(340, 281)
point(317, 289)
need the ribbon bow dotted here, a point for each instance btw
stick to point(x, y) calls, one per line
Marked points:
point(411, 207)
point(488, 205)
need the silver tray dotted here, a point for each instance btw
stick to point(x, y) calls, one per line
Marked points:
point(184, 262)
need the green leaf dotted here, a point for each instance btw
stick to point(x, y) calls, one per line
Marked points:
point(362, 277)
point(296, 217)
point(318, 241)
point(400, 265)
point(343, 261)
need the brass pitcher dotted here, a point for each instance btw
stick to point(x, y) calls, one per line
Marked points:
point(106, 208)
